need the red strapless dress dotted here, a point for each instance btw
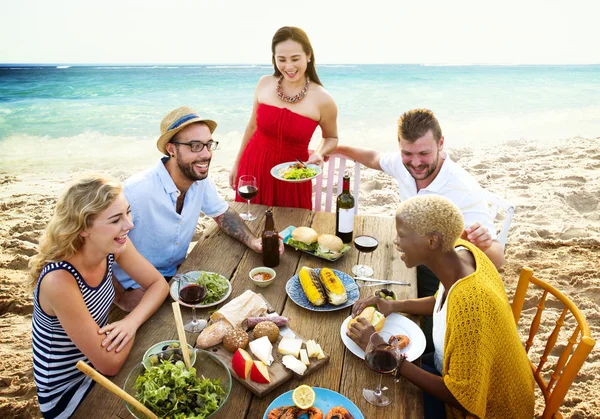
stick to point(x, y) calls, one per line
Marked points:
point(281, 136)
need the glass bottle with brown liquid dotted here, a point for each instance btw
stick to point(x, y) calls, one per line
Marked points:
point(270, 241)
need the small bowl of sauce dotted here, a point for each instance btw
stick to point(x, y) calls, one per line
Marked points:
point(262, 276)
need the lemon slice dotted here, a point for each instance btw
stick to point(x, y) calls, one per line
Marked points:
point(304, 397)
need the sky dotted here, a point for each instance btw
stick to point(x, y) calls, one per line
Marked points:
point(349, 31)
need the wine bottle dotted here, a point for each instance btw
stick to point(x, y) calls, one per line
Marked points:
point(270, 242)
point(344, 216)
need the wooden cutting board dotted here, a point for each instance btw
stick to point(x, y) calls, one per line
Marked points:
point(278, 373)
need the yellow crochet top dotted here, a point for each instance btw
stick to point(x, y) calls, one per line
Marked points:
point(485, 365)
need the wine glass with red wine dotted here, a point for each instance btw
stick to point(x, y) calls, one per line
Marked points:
point(382, 356)
point(192, 293)
point(247, 189)
point(364, 244)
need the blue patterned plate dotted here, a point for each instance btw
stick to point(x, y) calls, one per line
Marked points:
point(326, 399)
point(296, 293)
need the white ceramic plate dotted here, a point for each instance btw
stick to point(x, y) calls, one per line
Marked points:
point(196, 274)
point(276, 172)
point(395, 324)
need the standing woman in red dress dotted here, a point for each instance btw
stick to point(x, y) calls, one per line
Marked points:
point(288, 107)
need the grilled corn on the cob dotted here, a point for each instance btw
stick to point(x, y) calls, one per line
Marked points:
point(336, 293)
point(309, 279)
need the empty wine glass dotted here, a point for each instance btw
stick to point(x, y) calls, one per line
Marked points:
point(382, 356)
point(364, 244)
point(191, 293)
point(247, 189)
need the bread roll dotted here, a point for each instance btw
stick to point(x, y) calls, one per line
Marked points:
point(330, 243)
point(268, 329)
point(372, 316)
point(305, 234)
point(213, 334)
point(234, 339)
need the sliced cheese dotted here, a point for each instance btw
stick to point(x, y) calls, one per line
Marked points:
point(311, 349)
point(262, 349)
point(292, 363)
point(320, 354)
point(304, 357)
point(289, 346)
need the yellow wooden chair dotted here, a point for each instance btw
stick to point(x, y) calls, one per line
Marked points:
point(576, 349)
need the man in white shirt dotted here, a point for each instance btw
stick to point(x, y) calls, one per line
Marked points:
point(167, 200)
point(422, 167)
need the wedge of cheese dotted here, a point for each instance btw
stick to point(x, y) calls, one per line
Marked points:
point(262, 349)
point(289, 346)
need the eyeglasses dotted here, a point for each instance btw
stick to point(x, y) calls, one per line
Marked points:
point(197, 146)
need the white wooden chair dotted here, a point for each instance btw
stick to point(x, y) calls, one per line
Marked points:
point(500, 207)
point(336, 161)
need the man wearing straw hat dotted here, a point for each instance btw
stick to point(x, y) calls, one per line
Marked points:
point(166, 201)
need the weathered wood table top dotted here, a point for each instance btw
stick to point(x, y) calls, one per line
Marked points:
point(345, 373)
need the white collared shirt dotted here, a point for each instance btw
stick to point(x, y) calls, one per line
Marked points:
point(452, 182)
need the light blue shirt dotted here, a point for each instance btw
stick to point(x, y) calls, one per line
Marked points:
point(160, 234)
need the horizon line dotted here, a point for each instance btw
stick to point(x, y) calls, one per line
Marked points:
point(49, 64)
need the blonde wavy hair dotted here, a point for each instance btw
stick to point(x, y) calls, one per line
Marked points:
point(427, 214)
point(76, 209)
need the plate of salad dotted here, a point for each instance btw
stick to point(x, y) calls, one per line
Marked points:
point(218, 288)
point(295, 171)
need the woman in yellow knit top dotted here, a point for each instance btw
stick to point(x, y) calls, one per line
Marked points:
point(480, 368)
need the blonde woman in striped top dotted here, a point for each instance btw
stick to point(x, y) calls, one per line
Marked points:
point(73, 282)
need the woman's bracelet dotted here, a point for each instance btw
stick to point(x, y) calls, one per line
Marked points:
point(400, 361)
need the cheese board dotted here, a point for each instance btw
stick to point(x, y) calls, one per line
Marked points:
point(253, 362)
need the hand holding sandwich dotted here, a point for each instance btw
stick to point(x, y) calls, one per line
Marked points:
point(385, 307)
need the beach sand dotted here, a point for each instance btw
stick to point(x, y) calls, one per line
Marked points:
point(555, 231)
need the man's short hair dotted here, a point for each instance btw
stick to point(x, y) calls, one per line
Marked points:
point(427, 214)
point(415, 123)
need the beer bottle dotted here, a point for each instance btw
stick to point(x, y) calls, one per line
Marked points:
point(344, 213)
point(270, 242)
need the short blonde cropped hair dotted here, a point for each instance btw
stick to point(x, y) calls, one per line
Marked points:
point(428, 214)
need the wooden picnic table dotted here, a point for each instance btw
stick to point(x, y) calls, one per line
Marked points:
point(345, 373)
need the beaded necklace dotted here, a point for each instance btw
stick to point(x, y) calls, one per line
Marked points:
point(291, 99)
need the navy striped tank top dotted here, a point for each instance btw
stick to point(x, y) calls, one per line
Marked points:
point(60, 385)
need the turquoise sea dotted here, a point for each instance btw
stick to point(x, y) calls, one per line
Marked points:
point(84, 109)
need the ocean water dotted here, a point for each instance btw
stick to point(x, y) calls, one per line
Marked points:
point(99, 112)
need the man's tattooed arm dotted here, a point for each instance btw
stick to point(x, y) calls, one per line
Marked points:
point(231, 223)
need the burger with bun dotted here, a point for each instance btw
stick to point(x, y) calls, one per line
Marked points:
point(330, 246)
point(304, 238)
point(372, 316)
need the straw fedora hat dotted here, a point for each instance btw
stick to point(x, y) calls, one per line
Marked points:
point(175, 121)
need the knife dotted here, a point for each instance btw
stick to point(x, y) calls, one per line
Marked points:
point(380, 281)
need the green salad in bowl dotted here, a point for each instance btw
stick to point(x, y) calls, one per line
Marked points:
point(172, 390)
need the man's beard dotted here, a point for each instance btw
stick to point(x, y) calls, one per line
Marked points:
point(188, 169)
point(430, 169)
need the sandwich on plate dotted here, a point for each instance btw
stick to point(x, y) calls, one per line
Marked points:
point(304, 238)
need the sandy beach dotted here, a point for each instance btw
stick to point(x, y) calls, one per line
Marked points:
point(556, 231)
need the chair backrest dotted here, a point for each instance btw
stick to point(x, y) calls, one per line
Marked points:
point(500, 207)
point(335, 161)
point(578, 343)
